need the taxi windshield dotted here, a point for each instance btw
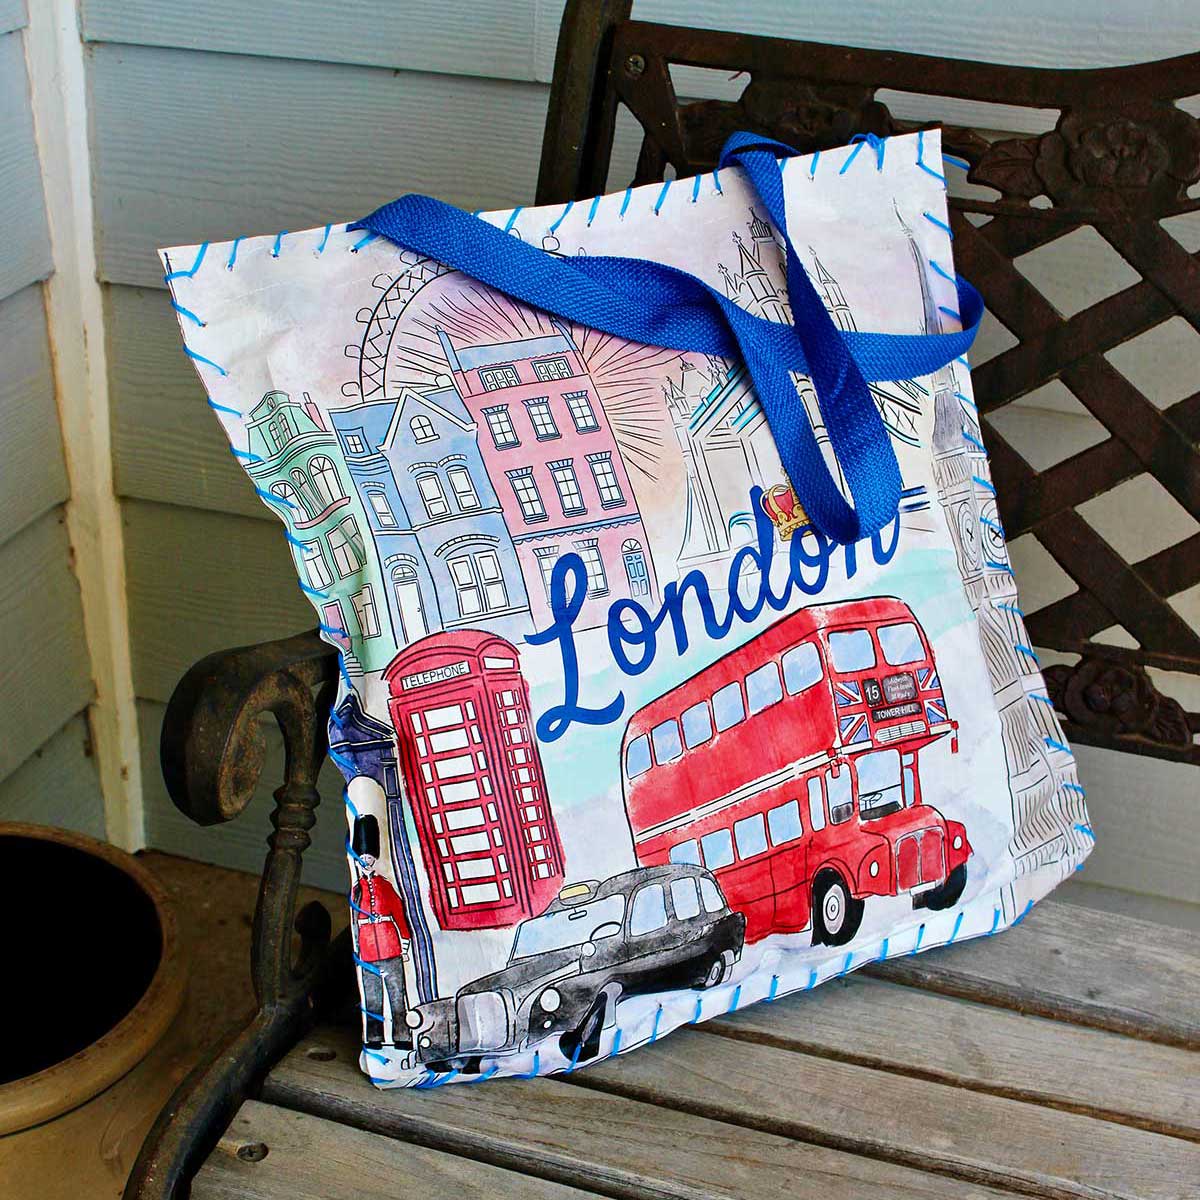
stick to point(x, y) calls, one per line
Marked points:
point(567, 927)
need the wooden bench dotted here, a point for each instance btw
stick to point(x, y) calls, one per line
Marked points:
point(1057, 1060)
point(932, 1077)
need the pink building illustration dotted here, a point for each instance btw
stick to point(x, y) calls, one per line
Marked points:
point(556, 466)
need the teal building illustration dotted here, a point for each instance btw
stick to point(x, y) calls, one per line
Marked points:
point(297, 465)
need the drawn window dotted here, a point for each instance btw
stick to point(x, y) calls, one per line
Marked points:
point(648, 911)
point(479, 583)
point(852, 650)
point(597, 579)
point(315, 566)
point(325, 480)
point(685, 898)
point(697, 724)
point(501, 427)
point(751, 836)
point(464, 489)
point(350, 528)
point(816, 804)
point(552, 368)
point(569, 495)
point(430, 487)
point(580, 408)
point(466, 585)
point(841, 796)
point(546, 558)
point(301, 484)
point(637, 757)
point(364, 610)
point(728, 709)
point(784, 823)
point(527, 494)
point(763, 688)
point(879, 789)
point(288, 494)
point(711, 895)
point(383, 510)
point(541, 418)
point(607, 483)
point(422, 429)
point(901, 644)
point(346, 562)
point(495, 594)
point(354, 442)
point(667, 746)
point(494, 378)
point(801, 667)
point(686, 852)
point(718, 849)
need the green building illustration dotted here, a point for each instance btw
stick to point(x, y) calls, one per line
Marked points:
point(296, 464)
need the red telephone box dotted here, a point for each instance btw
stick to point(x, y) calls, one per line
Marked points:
point(474, 778)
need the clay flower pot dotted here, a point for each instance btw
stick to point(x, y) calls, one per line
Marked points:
point(93, 966)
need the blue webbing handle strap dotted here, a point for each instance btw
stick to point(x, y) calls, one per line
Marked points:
point(657, 305)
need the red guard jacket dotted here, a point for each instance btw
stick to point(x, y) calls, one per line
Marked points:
point(382, 928)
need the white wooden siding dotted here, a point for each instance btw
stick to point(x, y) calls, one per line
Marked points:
point(45, 679)
point(213, 118)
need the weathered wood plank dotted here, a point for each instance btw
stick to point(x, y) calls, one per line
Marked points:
point(32, 476)
point(167, 443)
point(241, 844)
point(57, 784)
point(927, 1036)
point(45, 678)
point(1074, 964)
point(271, 1152)
point(517, 40)
point(947, 1130)
point(592, 1139)
point(194, 145)
point(200, 582)
point(25, 247)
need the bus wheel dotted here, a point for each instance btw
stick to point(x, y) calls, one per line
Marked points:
point(836, 913)
point(948, 894)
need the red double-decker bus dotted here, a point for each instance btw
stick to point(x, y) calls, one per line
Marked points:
point(789, 769)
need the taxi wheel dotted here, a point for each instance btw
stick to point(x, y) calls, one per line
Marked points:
point(836, 913)
point(584, 1042)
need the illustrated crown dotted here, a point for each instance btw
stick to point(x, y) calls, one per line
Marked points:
point(783, 506)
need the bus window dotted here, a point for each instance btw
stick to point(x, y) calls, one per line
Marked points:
point(727, 706)
point(711, 895)
point(685, 898)
point(784, 822)
point(648, 911)
point(697, 724)
point(686, 852)
point(637, 757)
point(763, 688)
point(878, 784)
point(801, 667)
point(718, 849)
point(841, 796)
point(901, 644)
point(667, 746)
point(751, 835)
point(852, 650)
point(816, 804)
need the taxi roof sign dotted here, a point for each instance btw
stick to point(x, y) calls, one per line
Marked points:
point(575, 890)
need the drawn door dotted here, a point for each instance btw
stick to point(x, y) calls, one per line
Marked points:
point(635, 569)
point(409, 606)
point(789, 863)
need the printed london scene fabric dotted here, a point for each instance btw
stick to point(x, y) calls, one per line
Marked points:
point(627, 742)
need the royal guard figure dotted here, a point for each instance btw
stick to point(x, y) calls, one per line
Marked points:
point(382, 936)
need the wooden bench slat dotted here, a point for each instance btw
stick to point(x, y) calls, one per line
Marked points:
point(989, 1049)
point(931, 1126)
point(1074, 964)
point(595, 1139)
point(311, 1159)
